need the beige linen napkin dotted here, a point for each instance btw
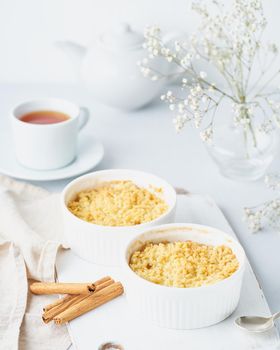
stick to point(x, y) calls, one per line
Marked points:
point(30, 232)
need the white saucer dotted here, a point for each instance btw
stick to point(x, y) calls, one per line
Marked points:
point(90, 153)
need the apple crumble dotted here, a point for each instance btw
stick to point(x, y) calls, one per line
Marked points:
point(184, 264)
point(118, 203)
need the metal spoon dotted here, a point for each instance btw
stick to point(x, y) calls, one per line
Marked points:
point(257, 324)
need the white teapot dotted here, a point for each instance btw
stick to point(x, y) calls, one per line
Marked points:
point(109, 68)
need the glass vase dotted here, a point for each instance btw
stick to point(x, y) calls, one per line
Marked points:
point(242, 154)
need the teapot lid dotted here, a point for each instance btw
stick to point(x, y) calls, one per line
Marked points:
point(123, 37)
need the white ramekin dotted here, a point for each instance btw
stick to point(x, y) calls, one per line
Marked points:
point(104, 244)
point(183, 308)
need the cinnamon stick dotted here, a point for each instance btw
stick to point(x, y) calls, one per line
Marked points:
point(102, 285)
point(60, 288)
point(56, 310)
point(89, 303)
point(65, 288)
point(102, 280)
point(62, 304)
point(58, 302)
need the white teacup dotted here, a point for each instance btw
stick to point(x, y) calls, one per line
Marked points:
point(47, 146)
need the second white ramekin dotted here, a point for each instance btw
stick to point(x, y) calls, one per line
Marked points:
point(104, 244)
point(183, 308)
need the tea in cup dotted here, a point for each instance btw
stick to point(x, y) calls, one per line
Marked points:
point(46, 131)
point(44, 117)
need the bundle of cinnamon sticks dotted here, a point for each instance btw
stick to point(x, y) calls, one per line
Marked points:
point(80, 298)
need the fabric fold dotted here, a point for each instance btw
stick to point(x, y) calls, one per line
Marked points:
point(30, 239)
point(13, 291)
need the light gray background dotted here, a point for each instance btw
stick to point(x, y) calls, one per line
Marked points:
point(28, 29)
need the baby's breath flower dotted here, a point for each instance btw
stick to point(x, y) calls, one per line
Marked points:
point(202, 75)
point(179, 122)
point(229, 39)
point(272, 48)
point(207, 135)
point(267, 213)
point(266, 127)
point(177, 46)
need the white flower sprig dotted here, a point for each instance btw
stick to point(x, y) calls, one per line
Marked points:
point(229, 39)
point(267, 213)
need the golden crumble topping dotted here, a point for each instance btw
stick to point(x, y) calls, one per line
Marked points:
point(118, 203)
point(184, 264)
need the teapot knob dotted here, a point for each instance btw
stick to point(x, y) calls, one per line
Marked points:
point(123, 37)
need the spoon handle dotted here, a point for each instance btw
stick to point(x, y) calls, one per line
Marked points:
point(276, 316)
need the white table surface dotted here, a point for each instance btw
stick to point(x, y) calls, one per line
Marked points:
point(146, 140)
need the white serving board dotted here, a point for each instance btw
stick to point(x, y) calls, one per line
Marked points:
point(116, 322)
